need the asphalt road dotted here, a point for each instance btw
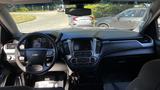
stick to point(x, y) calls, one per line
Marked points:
point(44, 21)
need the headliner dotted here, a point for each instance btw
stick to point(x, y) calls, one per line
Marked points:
point(31, 1)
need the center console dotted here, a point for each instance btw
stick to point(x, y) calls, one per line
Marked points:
point(82, 54)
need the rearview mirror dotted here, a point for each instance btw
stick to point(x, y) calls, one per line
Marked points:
point(69, 2)
point(78, 11)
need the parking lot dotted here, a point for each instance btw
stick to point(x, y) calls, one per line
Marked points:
point(44, 21)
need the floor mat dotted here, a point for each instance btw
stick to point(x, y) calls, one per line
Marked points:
point(115, 85)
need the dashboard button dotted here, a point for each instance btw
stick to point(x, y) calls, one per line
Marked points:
point(83, 60)
point(93, 60)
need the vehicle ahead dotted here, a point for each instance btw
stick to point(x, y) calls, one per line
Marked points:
point(62, 58)
point(128, 19)
point(81, 21)
point(61, 8)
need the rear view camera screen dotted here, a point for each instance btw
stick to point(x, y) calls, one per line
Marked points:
point(82, 45)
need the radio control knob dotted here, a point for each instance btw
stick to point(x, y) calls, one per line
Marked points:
point(93, 60)
point(74, 61)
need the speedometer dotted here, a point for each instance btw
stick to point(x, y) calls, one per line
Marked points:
point(37, 43)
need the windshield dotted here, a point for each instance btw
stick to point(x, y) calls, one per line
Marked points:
point(51, 16)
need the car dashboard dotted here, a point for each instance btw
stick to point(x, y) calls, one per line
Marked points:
point(83, 50)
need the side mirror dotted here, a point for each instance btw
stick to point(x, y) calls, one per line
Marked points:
point(118, 17)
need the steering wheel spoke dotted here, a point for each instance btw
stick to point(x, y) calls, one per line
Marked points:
point(22, 53)
point(45, 65)
point(34, 68)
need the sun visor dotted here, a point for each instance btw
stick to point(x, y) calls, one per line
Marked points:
point(24, 1)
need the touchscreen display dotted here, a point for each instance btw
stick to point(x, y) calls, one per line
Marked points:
point(82, 45)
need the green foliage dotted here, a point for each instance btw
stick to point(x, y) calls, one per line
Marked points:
point(102, 10)
point(22, 9)
point(31, 7)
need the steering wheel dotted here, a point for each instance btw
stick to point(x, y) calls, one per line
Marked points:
point(36, 60)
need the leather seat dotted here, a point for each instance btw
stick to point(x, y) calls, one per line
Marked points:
point(28, 88)
point(148, 78)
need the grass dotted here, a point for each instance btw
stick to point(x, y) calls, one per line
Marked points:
point(21, 18)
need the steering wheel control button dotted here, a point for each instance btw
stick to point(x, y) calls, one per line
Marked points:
point(9, 58)
point(49, 53)
point(48, 64)
point(74, 60)
point(21, 58)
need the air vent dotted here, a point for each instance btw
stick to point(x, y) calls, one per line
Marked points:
point(98, 46)
point(66, 48)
